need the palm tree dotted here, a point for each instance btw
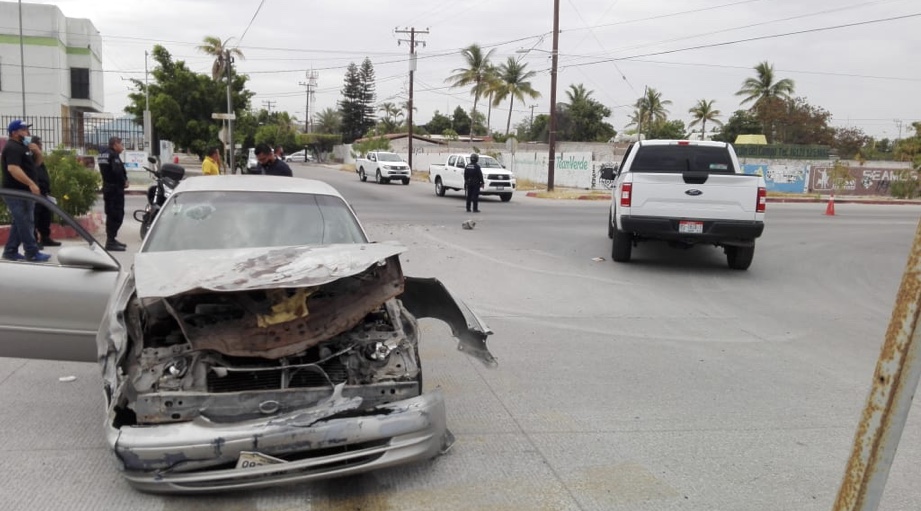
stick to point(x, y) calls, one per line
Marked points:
point(766, 92)
point(392, 113)
point(328, 121)
point(650, 110)
point(703, 111)
point(476, 74)
point(217, 49)
point(513, 83)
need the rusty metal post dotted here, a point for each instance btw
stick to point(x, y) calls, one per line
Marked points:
point(894, 384)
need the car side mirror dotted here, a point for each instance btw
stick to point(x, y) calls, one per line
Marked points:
point(86, 257)
point(151, 159)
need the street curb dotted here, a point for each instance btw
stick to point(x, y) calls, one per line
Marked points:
point(780, 200)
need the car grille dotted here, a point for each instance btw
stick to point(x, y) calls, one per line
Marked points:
point(497, 176)
point(241, 381)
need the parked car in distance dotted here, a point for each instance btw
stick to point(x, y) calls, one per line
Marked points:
point(450, 176)
point(300, 156)
point(252, 163)
point(238, 357)
point(384, 166)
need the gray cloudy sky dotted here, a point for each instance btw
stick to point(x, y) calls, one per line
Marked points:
point(866, 75)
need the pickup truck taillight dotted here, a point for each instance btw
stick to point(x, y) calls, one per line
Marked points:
point(762, 200)
point(626, 193)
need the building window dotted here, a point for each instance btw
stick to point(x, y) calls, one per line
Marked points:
point(79, 83)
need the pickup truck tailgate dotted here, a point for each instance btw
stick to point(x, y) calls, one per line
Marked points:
point(721, 196)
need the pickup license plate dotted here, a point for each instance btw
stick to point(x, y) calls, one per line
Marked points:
point(250, 459)
point(691, 227)
point(500, 188)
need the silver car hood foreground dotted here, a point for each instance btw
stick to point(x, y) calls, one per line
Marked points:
point(165, 274)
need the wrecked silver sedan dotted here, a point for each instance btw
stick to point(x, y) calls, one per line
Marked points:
point(261, 339)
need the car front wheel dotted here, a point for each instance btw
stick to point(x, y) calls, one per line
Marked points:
point(361, 175)
point(505, 197)
point(439, 187)
point(405, 180)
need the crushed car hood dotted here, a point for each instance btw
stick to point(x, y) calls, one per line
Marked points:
point(165, 274)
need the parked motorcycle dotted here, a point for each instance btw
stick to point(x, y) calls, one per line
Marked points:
point(167, 178)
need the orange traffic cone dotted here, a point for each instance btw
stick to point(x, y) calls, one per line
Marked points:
point(830, 209)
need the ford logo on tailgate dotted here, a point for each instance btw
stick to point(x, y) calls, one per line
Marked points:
point(694, 192)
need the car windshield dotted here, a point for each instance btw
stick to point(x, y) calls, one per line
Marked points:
point(682, 158)
point(218, 220)
point(487, 162)
point(388, 157)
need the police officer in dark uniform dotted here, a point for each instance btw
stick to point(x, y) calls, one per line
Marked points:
point(43, 180)
point(114, 182)
point(473, 181)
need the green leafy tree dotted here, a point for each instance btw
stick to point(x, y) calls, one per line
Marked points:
point(668, 130)
point(909, 149)
point(450, 134)
point(368, 95)
point(766, 93)
point(702, 112)
point(438, 123)
point(351, 106)
point(461, 121)
point(181, 102)
point(328, 121)
point(320, 144)
point(370, 144)
point(742, 122)
point(795, 121)
point(849, 142)
point(477, 75)
point(214, 47)
point(513, 83)
point(581, 119)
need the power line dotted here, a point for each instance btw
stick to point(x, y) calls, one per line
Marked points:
point(791, 71)
point(759, 38)
point(250, 22)
point(670, 15)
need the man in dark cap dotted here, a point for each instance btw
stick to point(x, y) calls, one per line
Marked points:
point(114, 182)
point(19, 174)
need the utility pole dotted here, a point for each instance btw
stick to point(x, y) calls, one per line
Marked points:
point(553, 68)
point(22, 62)
point(148, 123)
point(532, 107)
point(412, 68)
point(311, 85)
point(228, 63)
point(268, 105)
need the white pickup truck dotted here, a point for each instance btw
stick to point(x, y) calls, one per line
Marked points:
point(383, 166)
point(450, 176)
point(685, 193)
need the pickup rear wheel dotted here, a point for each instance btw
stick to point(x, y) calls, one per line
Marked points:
point(439, 187)
point(740, 258)
point(405, 180)
point(622, 246)
point(505, 197)
point(361, 174)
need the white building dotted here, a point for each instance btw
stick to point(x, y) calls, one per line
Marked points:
point(63, 71)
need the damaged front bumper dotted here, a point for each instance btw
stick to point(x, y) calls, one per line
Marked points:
point(204, 456)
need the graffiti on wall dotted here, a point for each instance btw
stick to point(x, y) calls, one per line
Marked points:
point(861, 181)
point(780, 178)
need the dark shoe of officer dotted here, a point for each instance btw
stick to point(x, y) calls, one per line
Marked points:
point(48, 242)
point(114, 245)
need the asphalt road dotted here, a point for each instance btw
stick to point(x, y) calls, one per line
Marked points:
point(667, 383)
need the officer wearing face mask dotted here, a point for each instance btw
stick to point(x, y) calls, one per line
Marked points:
point(18, 171)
